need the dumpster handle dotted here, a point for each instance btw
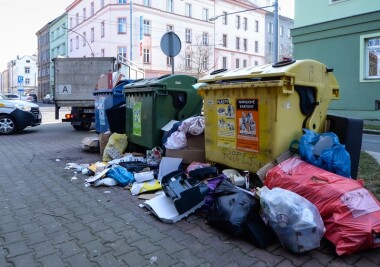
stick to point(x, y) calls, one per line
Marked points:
point(162, 92)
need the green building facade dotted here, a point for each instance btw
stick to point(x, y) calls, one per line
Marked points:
point(345, 36)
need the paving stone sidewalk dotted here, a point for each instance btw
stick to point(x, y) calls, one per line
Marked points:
point(47, 218)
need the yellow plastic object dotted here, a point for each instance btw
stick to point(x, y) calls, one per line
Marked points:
point(253, 114)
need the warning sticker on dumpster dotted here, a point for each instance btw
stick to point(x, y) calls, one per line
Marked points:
point(226, 123)
point(136, 118)
point(247, 119)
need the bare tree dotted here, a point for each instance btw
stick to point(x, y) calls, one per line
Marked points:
point(197, 58)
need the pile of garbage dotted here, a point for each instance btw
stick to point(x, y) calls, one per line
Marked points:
point(305, 196)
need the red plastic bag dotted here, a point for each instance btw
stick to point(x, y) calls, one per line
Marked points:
point(351, 213)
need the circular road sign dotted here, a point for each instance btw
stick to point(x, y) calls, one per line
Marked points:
point(170, 44)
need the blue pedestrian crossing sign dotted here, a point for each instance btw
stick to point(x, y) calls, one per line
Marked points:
point(20, 89)
point(20, 79)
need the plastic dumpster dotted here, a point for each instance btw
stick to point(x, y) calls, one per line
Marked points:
point(152, 103)
point(106, 99)
point(253, 114)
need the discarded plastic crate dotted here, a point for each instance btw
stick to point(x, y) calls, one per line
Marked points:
point(253, 114)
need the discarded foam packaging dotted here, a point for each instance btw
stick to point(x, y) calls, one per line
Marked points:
point(143, 176)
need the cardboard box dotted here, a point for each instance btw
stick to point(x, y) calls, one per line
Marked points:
point(196, 141)
point(188, 155)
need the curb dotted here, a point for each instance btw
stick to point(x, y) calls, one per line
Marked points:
point(374, 132)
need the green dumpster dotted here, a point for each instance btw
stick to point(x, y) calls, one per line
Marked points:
point(152, 103)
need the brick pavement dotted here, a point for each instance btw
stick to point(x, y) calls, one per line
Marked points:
point(49, 219)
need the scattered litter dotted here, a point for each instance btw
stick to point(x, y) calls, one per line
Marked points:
point(74, 178)
point(107, 192)
point(153, 259)
point(106, 182)
point(141, 205)
point(57, 160)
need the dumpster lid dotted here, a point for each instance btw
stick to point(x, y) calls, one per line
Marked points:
point(169, 81)
point(289, 68)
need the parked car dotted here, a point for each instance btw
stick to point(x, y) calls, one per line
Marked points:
point(32, 98)
point(48, 99)
point(12, 96)
point(16, 115)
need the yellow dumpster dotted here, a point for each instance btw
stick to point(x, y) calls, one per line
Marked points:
point(253, 114)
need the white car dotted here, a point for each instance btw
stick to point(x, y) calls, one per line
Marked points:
point(16, 115)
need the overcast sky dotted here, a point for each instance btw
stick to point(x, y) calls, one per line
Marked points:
point(21, 19)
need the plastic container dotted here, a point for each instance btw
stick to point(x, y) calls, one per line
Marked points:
point(253, 114)
point(152, 103)
point(106, 99)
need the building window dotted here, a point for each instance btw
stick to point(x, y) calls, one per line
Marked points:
point(224, 40)
point(256, 63)
point(71, 23)
point(188, 35)
point(224, 18)
point(77, 18)
point(122, 1)
point(288, 34)
point(224, 63)
point(71, 45)
point(244, 63)
point(92, 8)
point(27, 70)
point(245, 24)
point(146, 27)
point(102, 29)
point(169, 28)
point(84, 39)
point(188, 10)
point(372, 54)
point(270, 46)
point(146, 55)
point(188, 61)
point(256, 26)
point(146, 2)
point(281, 31)
point(237, 43)
point(205, 14)
point(122, 51)
point(122, 25)
point(245, 44)
point(84, 14)
point(101, 3)
point(92, 35)
point(205, 63)
point(270, 27)
point(237, 22)
point(102, 52)
point(205, 38)
point(237, 61)
point(77, 42)
point(27, 81)
point(256, 46)
point(169, 61)
point(169, 6)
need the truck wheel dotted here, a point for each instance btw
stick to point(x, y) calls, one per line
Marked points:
point(84, 126)
point(7, 125)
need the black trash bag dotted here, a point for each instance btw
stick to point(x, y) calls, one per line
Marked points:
point(238, 213)
point(232, 208)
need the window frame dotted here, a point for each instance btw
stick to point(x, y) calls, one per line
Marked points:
point(121, 23)
point(364, 58)
point(146, 56)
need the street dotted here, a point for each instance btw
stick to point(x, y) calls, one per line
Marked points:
point(371, 143)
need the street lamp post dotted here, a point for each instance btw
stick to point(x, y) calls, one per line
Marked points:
point(275, 25)
point(92, 52)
